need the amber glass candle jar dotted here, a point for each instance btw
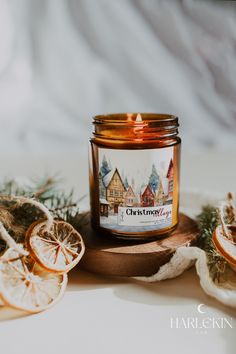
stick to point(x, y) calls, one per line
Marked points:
point(134, 175)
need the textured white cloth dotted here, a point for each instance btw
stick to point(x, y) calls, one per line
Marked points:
point(62, 61)
point(182, 260)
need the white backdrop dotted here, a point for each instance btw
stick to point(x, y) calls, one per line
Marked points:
point(62, 61)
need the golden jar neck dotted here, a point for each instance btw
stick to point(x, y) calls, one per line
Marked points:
point(127, 126)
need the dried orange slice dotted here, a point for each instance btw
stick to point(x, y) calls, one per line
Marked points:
point(57, 246)
point(26, 286)
point(226, 246)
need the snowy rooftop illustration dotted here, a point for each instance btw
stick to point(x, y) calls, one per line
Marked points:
point(108, 177)
point(144, 188)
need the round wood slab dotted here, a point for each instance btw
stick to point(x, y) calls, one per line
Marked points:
point(114, 257)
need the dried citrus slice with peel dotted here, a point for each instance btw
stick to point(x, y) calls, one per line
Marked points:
point(226, 246)
point(26, 286)
point(17, 213)
point(57, 247)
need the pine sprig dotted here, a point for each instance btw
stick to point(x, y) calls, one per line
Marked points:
point(63, 206)
point(208, 220)
point(41, 189)
point(46, 190)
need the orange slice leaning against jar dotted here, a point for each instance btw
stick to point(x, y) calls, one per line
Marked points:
point(57, 247)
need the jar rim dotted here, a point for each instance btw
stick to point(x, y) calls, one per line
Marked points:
point(135, 126)
point(122, 118)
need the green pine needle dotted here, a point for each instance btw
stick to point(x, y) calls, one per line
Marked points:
point(207, 222)
point(46, 190)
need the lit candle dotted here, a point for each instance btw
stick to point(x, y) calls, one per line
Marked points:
point(134, 175)
point(139, 125)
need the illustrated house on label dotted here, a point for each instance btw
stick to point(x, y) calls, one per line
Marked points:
point(104, 205)
point(147, 196)
point(130, 197)
point(115, 190)
point(169, 176)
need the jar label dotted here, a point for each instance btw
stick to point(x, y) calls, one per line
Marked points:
point(135, 189)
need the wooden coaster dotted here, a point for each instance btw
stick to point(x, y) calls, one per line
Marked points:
point(114, 257)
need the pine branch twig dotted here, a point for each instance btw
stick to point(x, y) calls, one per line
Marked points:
point(44, 188)
point(208, 220)
point(68, 206)
point(59, 203)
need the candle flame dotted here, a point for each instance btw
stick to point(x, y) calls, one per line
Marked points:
point(139, 118)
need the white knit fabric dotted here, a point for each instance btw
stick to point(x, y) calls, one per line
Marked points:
point(183, 258)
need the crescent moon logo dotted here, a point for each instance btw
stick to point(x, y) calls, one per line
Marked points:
point(199, 308)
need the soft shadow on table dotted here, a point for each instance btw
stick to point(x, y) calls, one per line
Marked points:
point(186, 286)
point(83, 280)
point(78, 281)
point(8, 314)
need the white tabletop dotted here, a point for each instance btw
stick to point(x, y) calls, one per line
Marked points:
point(114, 315)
